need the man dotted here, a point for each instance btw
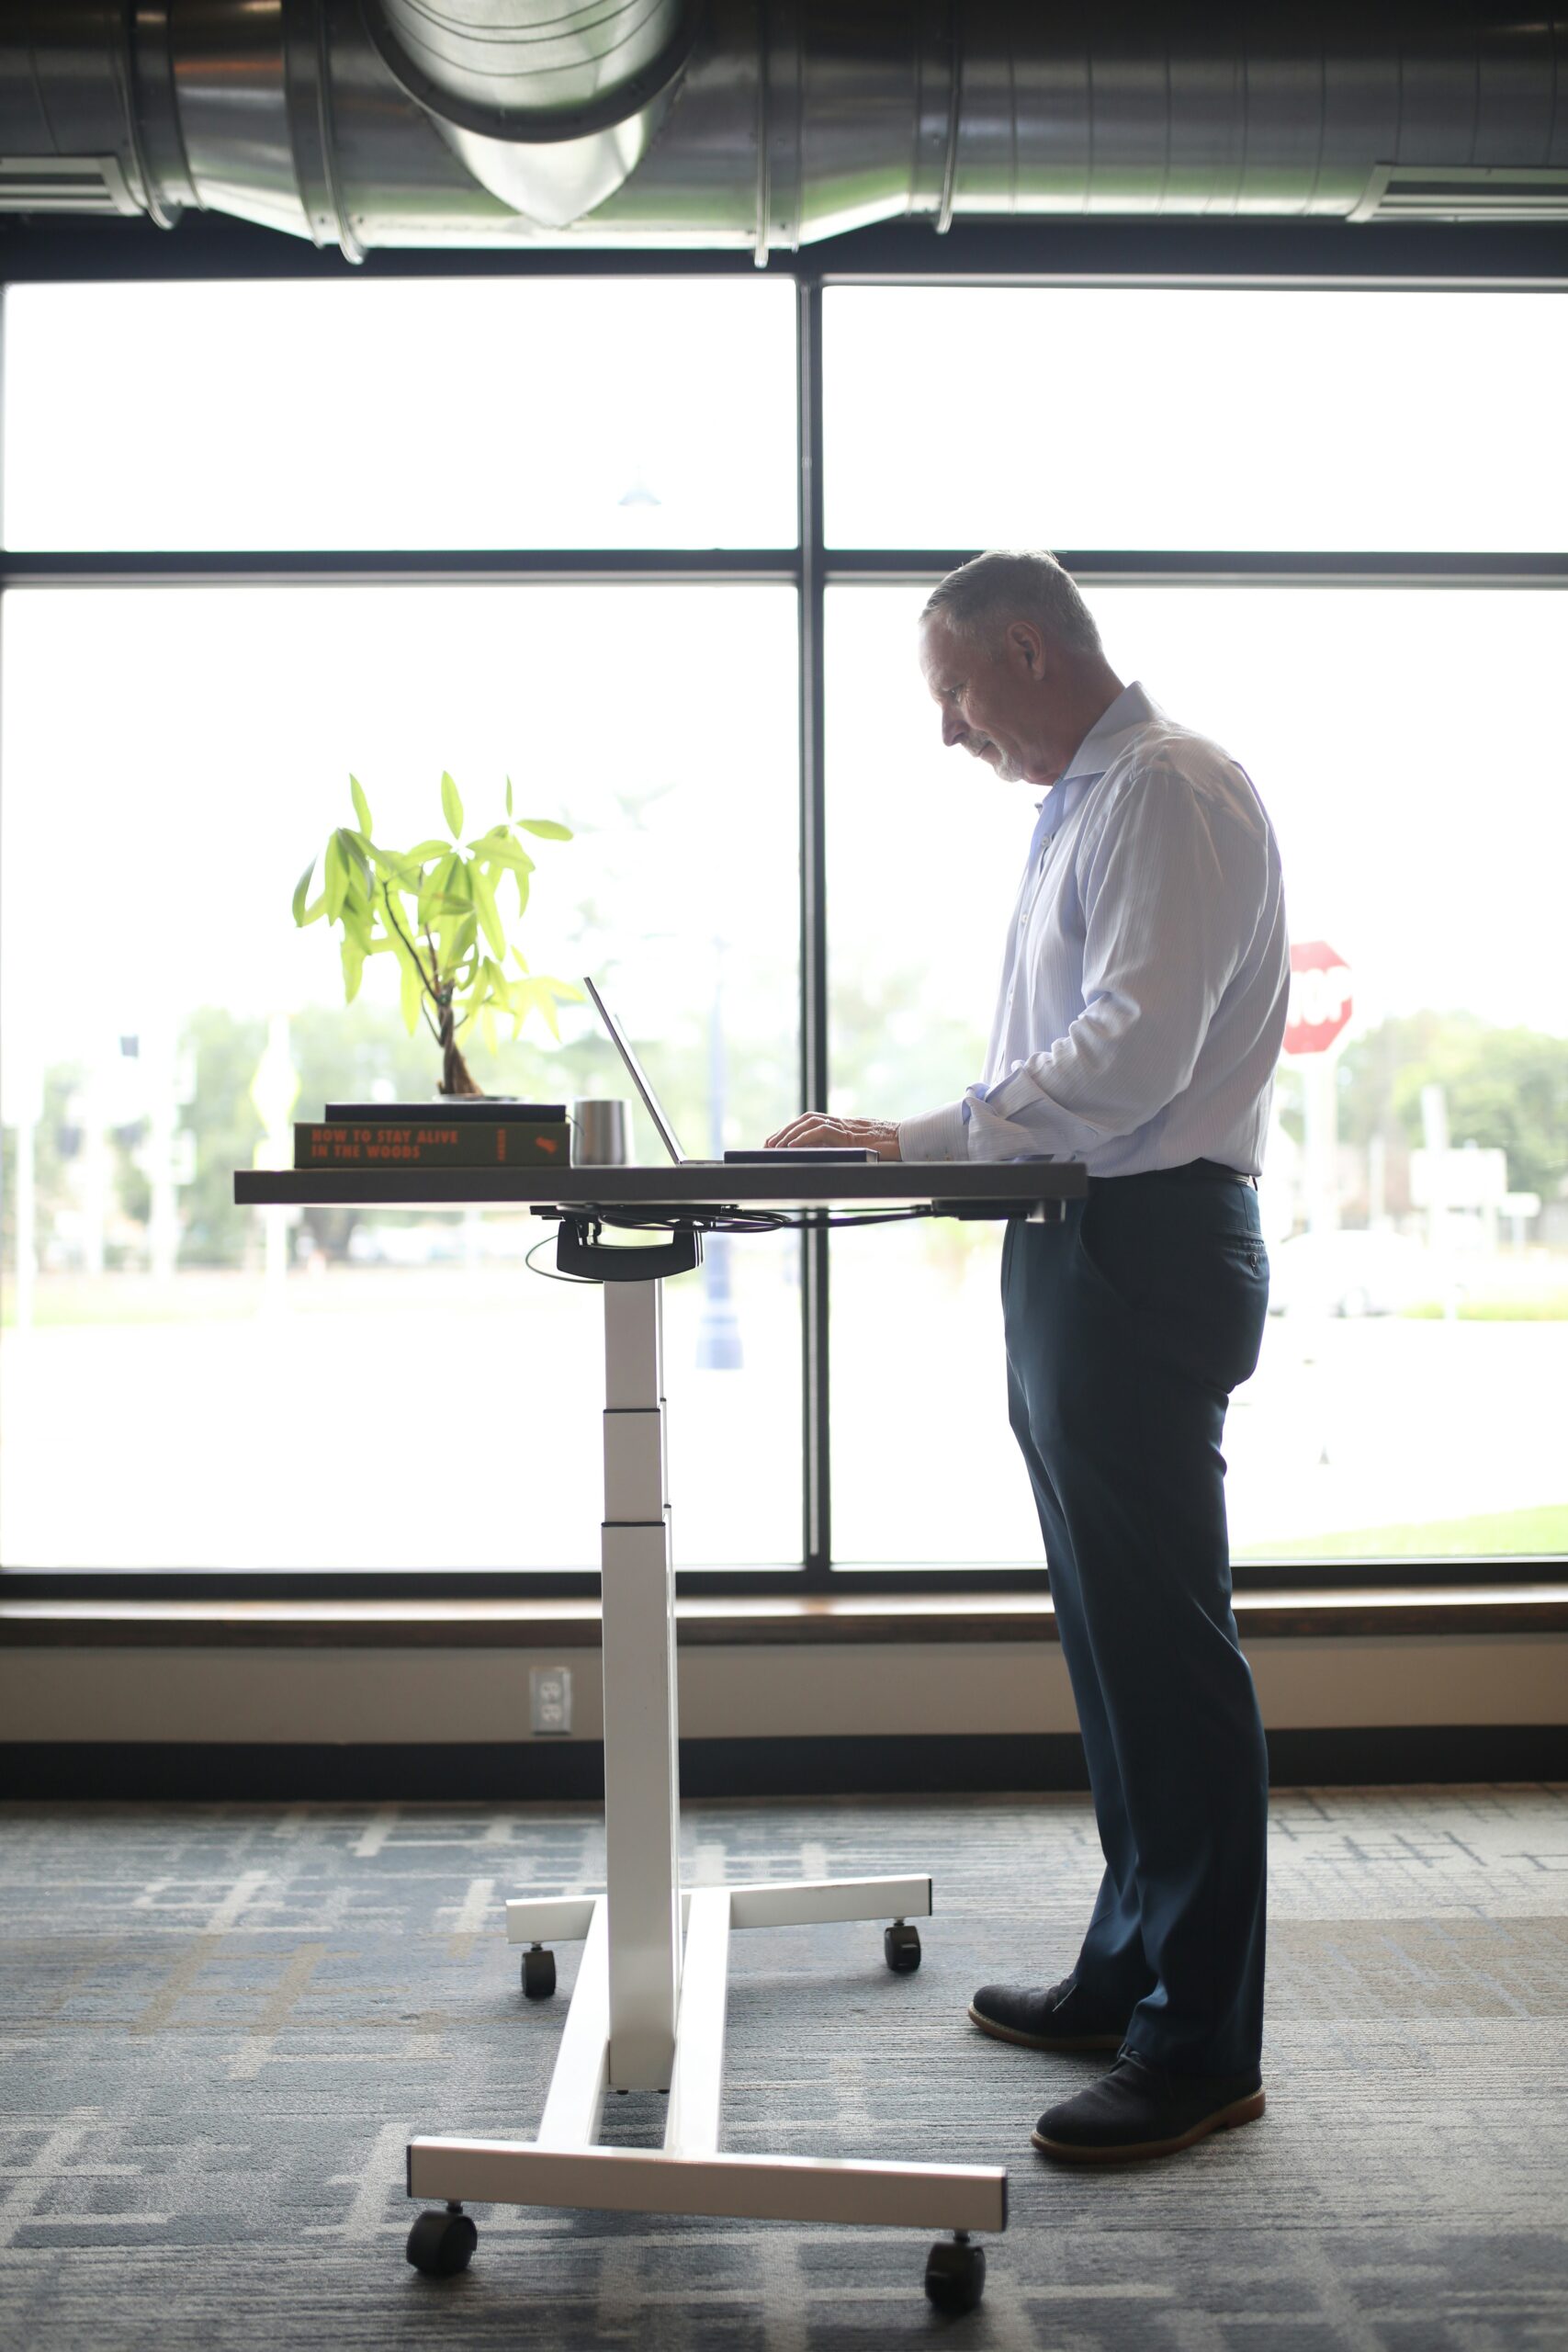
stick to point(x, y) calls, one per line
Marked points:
point(1141, 1014)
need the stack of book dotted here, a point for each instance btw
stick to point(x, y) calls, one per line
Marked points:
point(462, 1131)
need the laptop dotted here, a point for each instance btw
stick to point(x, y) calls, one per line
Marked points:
point(808, 1155)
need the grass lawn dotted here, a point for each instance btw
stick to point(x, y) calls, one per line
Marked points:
point(1499, 1533)
point(1518, 1306)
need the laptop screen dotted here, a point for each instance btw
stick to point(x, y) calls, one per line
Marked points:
point(635, 1072)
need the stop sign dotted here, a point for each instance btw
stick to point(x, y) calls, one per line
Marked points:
point(1320, 997)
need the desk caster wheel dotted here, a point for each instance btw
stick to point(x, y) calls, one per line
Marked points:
point(956, 2273)
point(440, 2245)
point(901, 1947)
point(539, 1973)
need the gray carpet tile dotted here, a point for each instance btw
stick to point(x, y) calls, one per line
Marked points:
point(218, 2026)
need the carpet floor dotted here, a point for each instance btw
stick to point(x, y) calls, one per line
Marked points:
point(220, 2025)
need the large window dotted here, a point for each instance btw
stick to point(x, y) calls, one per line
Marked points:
point(1193, 418)
point(409, 1397)
point(1410, 1392)
point(397, 414)
point(672, 490)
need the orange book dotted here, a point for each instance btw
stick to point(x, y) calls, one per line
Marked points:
point(432, 1142)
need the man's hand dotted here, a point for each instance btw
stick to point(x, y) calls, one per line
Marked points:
point(880, 1135)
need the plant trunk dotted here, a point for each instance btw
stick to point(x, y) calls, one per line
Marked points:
point(456, 1076)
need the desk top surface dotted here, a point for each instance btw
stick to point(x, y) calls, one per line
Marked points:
point(885, 1184)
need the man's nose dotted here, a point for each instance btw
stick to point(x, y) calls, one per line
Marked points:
point(953, 729)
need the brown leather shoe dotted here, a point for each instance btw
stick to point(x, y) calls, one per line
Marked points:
point(1138, 2110)
point(1055, 2020)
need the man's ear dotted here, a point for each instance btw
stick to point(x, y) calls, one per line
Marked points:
point(1027, 645)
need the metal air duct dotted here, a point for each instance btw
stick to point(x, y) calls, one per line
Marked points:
point(769, 123)
point(550, 106)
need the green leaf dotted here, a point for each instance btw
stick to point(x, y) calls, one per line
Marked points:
point(361, 805)
point(444, 888)
point(487, 1023)
point(315, 911)
point(335, 875)
point(534, 997)
point(509, 853)
point(430, 890)
point(412, 978)
point(522, 959)
point(357, 862)
point(509, 795)
point(499, 985)
point(423, 852)
point(454, 939)
point(451, 804)
point(484, 902)
point(547, 829)
point(353, 966)
point(300, 887)
point(358, 923)
point(546, 993)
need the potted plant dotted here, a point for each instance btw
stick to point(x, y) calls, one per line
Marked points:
point(437, 909)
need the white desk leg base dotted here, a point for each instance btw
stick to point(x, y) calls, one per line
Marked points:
point(801, 1903)
point(565, 2167)
point(752, 2188)
point(648, 2009)
point(575, 2107)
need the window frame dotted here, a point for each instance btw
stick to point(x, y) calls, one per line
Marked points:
point(1226, 255)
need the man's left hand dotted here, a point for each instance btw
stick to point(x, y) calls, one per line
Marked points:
point(880, 1135)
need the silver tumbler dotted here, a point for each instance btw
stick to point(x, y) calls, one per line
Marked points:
point(599, 1134)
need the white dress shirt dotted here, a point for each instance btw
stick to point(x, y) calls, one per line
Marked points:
point(1146, 971)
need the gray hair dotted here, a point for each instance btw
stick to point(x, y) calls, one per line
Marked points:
point(1015, 583)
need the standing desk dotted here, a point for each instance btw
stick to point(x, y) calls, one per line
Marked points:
point(648, 2011)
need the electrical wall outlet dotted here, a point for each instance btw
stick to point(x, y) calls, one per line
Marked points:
point(550, 1701)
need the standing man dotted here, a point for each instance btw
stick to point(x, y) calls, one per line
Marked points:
point(1142, 1002)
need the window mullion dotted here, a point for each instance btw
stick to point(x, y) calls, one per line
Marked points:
point(816, 1531)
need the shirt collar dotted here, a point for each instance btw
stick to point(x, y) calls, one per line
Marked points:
point(1132, 709)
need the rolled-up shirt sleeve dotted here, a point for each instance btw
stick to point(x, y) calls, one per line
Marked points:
point(1168, 885)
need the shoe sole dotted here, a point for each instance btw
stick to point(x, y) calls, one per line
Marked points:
point(1044, 2040)
point(1225, 2119)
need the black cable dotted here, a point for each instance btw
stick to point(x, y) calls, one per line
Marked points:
point(577, 1282)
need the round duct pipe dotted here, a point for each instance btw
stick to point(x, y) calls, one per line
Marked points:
point(771, 123)
point(534, 71)
point(550, 106)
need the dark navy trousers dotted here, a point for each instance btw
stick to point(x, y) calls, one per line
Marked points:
point(1128, 1325)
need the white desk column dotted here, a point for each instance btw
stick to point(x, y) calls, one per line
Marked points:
point(642, 1797)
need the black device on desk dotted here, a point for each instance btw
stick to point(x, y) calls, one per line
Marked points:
point(808, 1155)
